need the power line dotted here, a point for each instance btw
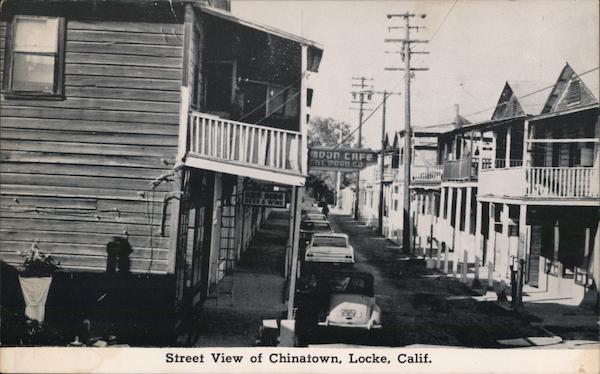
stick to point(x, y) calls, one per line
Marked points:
point(444, 19)
point(518, 98)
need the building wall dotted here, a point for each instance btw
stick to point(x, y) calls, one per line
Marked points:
point(77, 172)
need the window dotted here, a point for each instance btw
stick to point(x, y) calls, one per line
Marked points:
point(574, 92)
point(35, 57)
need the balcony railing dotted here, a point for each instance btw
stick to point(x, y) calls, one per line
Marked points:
point(562, 182)
point(243, 143)
point(427, 174)
point(463, 169)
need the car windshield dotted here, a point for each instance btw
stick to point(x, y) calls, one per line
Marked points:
point(315, 217)
point(329, 241)
point(316, 226)
point(349, 284)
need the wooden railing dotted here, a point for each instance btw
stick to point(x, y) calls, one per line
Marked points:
point(562, 182)
point(427, 174)
point(463, 169)
point(223, 139)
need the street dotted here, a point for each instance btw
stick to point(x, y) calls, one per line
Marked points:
point(421, 306)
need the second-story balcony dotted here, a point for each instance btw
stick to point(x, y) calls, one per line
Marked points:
point(465, 169)
point(244, 149)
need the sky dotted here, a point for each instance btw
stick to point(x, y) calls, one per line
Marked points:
point(475, 47)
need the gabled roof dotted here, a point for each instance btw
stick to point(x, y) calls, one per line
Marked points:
point(569, 85)
point(521, 98)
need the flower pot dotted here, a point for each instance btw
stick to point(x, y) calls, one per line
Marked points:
point(35, 292)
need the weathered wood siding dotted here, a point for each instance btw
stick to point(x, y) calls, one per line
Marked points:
point(76, 172)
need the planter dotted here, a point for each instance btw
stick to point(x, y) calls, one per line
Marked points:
point(35, 292)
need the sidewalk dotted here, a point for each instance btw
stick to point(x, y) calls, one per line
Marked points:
point(559, 315)
point(257, 289)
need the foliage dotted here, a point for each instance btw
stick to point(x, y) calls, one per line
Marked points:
point(328, 132)
point(37, 264)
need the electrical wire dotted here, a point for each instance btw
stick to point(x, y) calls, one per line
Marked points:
point(517, 98)
point(366, 119)
point(272, 97)
point(279, 107)
point(443, 20)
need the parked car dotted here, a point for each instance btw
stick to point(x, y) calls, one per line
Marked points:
point(349, 301)
point(308, 228)
point(329, 248)
point(314, 217)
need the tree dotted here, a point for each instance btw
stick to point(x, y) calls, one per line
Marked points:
point(328, 132)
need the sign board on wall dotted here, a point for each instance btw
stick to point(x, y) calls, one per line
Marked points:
point(271, 199)
point(343, 159)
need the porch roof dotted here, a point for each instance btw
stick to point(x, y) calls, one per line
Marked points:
point(315, 50)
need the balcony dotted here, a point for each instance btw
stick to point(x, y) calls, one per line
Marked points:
point(465, 169)
point(244, 149)
point(562, 182)
point(430, 174)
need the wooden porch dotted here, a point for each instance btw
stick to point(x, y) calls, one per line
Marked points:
point(245, 149)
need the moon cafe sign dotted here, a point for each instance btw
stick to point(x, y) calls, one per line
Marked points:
point(343, 159)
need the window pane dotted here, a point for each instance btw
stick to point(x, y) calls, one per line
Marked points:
point(33, 73)
point(36, 35)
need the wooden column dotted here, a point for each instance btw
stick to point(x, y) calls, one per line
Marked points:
point(494, 145)
point(526, 154)
point(468, 215)
point(478, 236)
point(491, 248)
point(457, 245)
point(297, 207)
point(507, 154)
point(303, 103)
point(480, 164)
point(290, 242)
point(522, 249)
point(556, 247)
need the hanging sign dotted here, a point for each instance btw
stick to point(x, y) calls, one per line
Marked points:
point(341, 159)
point(270, 199)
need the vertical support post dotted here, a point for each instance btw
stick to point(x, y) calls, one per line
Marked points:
point(526, 154)
point(457, 244)
point(303, 102)
point(290, 243)
point(478, 236)
point(521, 251)
point(491, 234)
point(468, 218)
point(480, 163)
point(494, 146)
point(463, 272)
point(507, 154)
point(556, 247)
point(294, 273)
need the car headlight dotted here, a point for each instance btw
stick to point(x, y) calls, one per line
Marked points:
point(309, 255)
point(348, 256)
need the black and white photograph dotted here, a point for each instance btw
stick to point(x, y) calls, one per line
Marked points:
point(300, 186)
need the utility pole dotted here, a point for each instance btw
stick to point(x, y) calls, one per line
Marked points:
point(406, 54)
point(382, 158)
point(361, 93)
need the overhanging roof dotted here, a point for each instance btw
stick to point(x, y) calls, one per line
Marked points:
point(315, 50)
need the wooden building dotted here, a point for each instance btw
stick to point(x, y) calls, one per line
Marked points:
point(146, 121)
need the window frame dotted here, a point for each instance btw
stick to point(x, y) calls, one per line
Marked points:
point(59, 62)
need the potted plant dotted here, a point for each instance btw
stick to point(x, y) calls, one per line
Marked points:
point(35, 278)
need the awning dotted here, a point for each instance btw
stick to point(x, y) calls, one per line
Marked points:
point(315, 50)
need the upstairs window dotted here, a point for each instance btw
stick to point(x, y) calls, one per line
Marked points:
point(574, 92)
point(35, 57)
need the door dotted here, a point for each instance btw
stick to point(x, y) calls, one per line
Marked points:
point(533, 271)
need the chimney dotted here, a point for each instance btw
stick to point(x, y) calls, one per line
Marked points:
point(457, 121)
